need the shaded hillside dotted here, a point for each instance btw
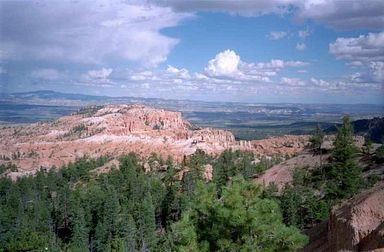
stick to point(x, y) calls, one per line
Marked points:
point(373, 128)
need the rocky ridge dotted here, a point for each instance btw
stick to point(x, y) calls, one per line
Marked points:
point(118, 129)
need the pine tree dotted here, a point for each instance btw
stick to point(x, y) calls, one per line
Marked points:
point(223, 168)
point(127, 231)
point(300, 205)
point(291, 202)
point(316, 141)
point(344, 174)
point(79, 239)
point(27, 240)
point(344, 146)
point(238, 220)
point(147, 224)
point(101, 236)
point(111, 213)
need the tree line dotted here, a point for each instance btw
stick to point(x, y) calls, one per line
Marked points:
point(71, 209)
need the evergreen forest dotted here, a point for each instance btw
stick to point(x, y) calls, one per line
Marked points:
point(174, 209)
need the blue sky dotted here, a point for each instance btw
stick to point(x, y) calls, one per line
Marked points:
point(307, 51)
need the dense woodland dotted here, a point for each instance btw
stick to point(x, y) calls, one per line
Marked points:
point(128, 209)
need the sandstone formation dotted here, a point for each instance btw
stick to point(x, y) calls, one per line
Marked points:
point(115, 130)
point(356, 219)
point(355, 225)
point(284, 145)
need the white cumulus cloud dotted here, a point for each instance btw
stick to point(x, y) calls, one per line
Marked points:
point(224, 64)
point(181, 73)
point(229, 76)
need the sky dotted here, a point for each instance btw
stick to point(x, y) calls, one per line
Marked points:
point(264, 51)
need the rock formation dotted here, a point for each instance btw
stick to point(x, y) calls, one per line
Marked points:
point(351, 224)
point(355, 225)
point(115, 130)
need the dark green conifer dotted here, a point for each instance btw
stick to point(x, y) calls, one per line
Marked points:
point(344, 174)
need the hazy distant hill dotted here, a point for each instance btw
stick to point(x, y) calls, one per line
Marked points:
point(49, 94)
point(247, 121)
point(373, 128)
point(48, 97)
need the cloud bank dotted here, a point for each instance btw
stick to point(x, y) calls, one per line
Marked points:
point(344, 15)
point(88, 32)
point(364, 51)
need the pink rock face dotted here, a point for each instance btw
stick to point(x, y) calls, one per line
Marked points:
point(356, 225)
point(284, 145)
point(115, 130)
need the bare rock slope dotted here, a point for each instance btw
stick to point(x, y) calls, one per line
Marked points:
point(355, 225)
point(281, 174)
point(118, 129)
point(355, 220)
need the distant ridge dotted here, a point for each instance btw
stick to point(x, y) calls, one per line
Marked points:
point(372, 128)
point(50, 94)
point(248, 121)
point(53, 94)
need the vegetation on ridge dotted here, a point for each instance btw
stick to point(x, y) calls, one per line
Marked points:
point(309, 198)
point(130, 209)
